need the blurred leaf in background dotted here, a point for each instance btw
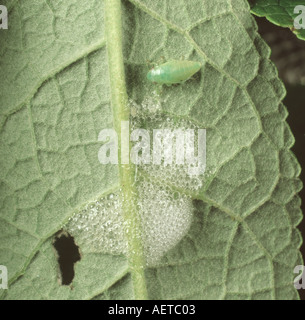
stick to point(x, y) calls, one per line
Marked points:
point(281, 13)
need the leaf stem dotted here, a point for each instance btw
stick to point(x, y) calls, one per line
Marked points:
point(119, 99)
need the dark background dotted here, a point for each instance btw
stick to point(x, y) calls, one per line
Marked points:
point(288, 54)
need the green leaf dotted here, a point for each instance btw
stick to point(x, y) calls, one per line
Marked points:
point(279, 12)
point(229, 235)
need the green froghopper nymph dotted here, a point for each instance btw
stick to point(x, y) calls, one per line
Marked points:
point(174, 71)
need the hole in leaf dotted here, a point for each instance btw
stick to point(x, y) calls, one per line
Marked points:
point(67, 255)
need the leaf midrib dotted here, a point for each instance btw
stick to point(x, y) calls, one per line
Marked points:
point(119, 104)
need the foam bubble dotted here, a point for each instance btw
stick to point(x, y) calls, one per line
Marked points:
point(165, 214)
point(175, 174)
point(99, 226)
point(165, 218)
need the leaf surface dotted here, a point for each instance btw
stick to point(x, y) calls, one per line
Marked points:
point(242, 242)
